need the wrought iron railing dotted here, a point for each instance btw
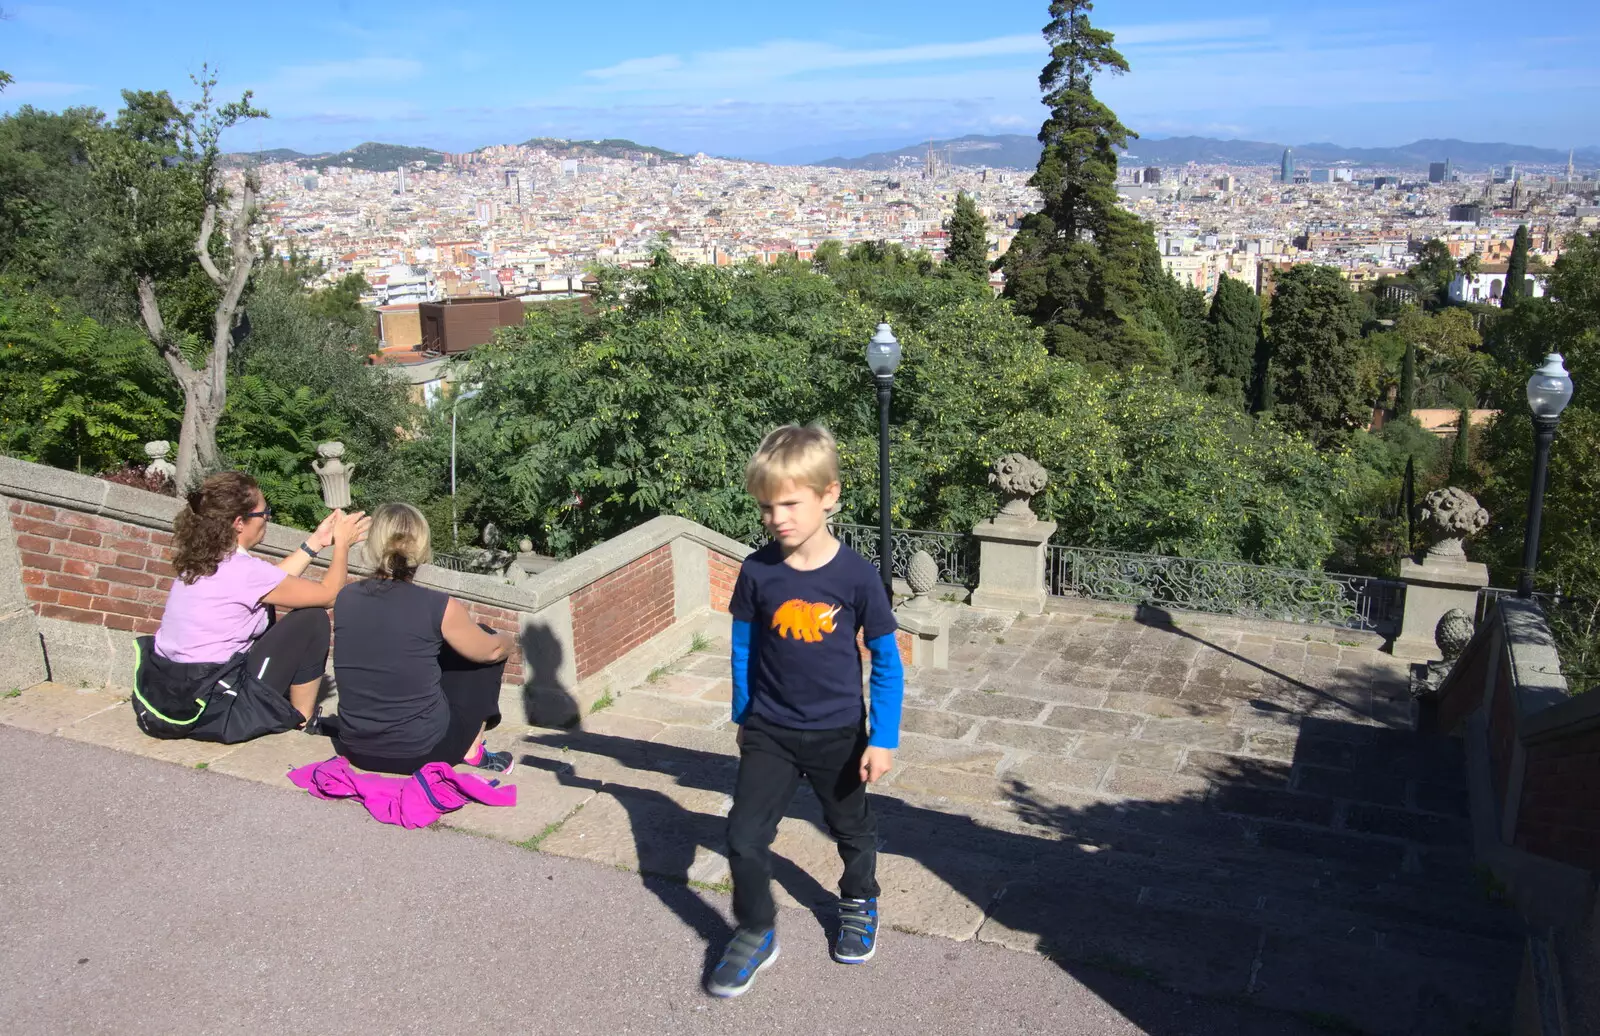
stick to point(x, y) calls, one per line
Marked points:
point(955, 553)
point(454, 562)
point(1226, 587)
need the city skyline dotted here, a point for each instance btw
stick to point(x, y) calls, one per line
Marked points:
point(743, 80)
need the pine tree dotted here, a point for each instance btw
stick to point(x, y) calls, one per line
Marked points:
point(1408, 382)
point(1314, 344)
point(1232, 327)
point(1517, 270)
point(968, 249)
point(1083, 267)
point(1461, 455)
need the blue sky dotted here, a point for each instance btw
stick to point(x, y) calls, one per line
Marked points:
point(803, 80)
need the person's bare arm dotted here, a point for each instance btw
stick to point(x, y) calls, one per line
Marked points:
point(470, 640)
point(297, 561)
point(295, 592)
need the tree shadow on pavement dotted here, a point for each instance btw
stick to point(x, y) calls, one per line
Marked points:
point(1287, 897)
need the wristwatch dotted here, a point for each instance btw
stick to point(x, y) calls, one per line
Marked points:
point(309, 552)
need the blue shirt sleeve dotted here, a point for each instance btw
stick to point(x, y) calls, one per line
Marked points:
point(741, 671)
point(887, 687)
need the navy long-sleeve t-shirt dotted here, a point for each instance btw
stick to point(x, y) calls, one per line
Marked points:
point(795, 661)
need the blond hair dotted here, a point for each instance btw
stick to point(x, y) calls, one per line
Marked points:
point(398, 543)
point(807, 456)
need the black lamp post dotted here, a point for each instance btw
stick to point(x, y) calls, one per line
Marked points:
point(883, 358)
point(1549, 391)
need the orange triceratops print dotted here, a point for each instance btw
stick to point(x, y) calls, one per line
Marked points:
point(802, 620)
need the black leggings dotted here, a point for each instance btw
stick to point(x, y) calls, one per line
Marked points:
point(472, 690)
point(293, 650)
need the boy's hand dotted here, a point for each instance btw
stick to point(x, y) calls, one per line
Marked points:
point(875, 762)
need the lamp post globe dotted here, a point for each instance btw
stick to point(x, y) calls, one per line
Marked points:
point(1549, 392)
point(883, 359)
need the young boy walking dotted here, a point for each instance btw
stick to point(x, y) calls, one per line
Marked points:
point(797, 607)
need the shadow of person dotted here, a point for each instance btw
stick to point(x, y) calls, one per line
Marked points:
point(546, 699)
point(1269, 901)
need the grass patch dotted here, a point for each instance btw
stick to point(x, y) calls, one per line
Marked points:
point(202, 766)
point(605, 701)
point(699, 642)
point(549, 829)
point(724, 887)
point(1348, 643)
point(657, 673)
point(15, 692)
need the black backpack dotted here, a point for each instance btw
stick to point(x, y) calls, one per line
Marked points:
point(204, 701)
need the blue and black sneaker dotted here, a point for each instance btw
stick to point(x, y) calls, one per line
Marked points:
point(747, 953)
point(857, 938)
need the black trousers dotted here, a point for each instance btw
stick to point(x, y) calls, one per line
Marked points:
point(771, 763)
point(294, 649)
point(472, 690)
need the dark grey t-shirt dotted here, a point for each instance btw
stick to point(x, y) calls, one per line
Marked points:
point(386, 641)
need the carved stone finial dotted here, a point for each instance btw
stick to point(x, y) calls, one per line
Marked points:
point(334, 473)
point(922, 572)
point(1018, 479)
point(525, 545)
point(1451, 515)
point(1452, 634)
point(158, 452)
point(491, 536)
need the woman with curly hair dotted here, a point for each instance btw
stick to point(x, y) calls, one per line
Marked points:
point(217, 607)
point(419, 681)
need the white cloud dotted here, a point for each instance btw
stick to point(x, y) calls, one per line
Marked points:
point(738, 67)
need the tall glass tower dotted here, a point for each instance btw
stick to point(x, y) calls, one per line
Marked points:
point(1286, 173)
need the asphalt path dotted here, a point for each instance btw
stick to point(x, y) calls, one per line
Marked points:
point(142, 897)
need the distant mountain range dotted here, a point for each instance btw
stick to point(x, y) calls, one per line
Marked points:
point(1002, 151)
point(386, 158)
point(1014, 151)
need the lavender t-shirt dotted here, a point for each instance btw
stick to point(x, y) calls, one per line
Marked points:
point(217, 616)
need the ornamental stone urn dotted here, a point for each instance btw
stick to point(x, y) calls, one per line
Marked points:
point(1444, 580)
point(158, 452)
point(1019, 479)
point(1451, 515)
point(335, 475)
point(1011, 545)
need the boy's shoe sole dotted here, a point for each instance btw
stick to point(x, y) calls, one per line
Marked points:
point(842, 959)
point(729, 992)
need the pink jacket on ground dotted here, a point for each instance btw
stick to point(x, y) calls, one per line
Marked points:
point(414, 801)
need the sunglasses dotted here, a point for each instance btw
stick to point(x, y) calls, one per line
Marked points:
point(264, 513)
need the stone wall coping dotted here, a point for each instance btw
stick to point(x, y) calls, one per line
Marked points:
point(1531, 650)
point(39, 483)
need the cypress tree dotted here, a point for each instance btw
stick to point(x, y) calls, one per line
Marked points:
point(1408, 382)
point(968, 249)
point(1083, 268)
point(1314, 340)
point(1517, 270)
point(1232, 327)
point(1461, 455)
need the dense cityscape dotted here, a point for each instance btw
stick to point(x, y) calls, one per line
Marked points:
point(525, 221)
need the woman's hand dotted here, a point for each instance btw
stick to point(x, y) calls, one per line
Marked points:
point(323, 535)
point(350, 529)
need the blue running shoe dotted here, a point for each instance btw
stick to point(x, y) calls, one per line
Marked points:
point(747, 953)
point(857, 938)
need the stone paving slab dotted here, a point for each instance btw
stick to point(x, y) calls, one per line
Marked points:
point(269, 759)
point(47, 707)
point(1210, 804)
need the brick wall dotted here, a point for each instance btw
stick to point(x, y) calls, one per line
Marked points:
point(1559, 815)
point(89, 569)
point(619, 612)
point(724, 570)
point(505, 621)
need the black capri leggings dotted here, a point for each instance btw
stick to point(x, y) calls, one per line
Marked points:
point(293, 650)
point(472, 690)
